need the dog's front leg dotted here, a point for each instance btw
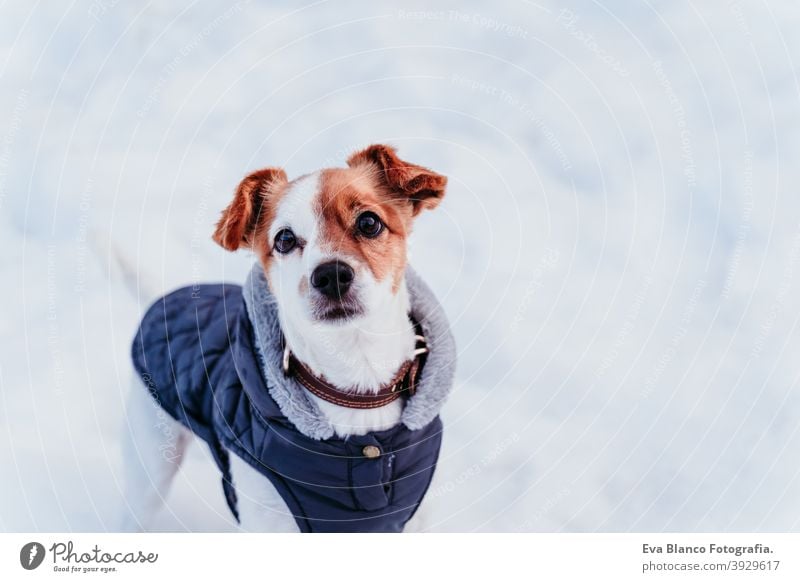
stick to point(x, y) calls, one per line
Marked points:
point(261, 508)
point(153, 447)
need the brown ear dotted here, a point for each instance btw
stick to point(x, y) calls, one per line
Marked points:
point(423, 188)
point(239, 219)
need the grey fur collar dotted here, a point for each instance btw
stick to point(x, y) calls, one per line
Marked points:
point(291, 397)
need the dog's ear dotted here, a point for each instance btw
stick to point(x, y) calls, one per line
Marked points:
point(421, 186)
point(240, 218)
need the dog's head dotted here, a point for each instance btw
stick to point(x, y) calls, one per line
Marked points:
point(332, 243)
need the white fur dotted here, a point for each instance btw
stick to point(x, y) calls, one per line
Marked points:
point(362, 353)
point(261, 508)
point(154, 445)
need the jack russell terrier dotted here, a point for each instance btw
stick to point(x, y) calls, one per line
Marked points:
point(317, 384)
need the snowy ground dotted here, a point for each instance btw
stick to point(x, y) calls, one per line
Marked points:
point(618, 251)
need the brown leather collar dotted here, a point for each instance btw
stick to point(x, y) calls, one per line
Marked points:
point(404, 382)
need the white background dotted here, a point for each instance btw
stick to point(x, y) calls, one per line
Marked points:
point(618, 250)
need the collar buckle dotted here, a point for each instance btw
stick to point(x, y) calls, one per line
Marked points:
point(286, 355)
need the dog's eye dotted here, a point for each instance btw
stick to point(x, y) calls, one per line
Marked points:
point(369, 224)
point(285, 241)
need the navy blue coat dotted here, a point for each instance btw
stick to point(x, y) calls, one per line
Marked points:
point(195, 351)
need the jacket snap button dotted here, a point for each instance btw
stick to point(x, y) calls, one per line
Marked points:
point(371, 452)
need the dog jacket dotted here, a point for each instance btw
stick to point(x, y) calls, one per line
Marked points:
point(211, 359)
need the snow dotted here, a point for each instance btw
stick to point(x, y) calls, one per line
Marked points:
point(618, 250)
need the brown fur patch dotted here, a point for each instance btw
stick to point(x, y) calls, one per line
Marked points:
point(344, 194)
point(422, 187)
point(252, 207)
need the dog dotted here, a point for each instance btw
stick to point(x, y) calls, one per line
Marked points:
point(317, 384)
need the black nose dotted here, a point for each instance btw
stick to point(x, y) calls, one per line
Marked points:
point(332, 279)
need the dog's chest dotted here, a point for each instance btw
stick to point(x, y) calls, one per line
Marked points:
point(357, 421)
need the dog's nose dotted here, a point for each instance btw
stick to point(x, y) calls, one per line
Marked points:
point(332, 279)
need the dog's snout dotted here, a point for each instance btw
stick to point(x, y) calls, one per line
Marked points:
point(332, 279)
